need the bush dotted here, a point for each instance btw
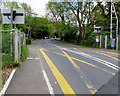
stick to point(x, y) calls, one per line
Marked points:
point(28, 40)
point(7, 60)
point(16, 65)
point(24, 52)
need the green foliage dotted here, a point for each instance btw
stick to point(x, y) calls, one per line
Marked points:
point(16, 65)
point(28, 40)
point(89, 38)
point(36, 27)
point(119, 45)
point(6, 42)
point(7, 60)
point(71, 34)
point(24, 52)
point(12, 4)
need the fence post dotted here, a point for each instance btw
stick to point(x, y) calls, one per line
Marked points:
point(100, 41)
point(106, 42)
point(19, 47)
point(24, 39)
point(16, 46)
point(117, 42)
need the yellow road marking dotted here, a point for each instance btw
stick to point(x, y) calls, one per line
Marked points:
point(82, 75)
point(109, 56)
point(75, 48)
point(88, 54)
point(111, 52)
point(59, 77)
point(87, 63)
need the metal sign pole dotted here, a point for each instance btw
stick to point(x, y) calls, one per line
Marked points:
point(100, 40)
point(106, 42)
point(11, 32)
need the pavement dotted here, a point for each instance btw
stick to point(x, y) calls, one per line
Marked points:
point(54, 67)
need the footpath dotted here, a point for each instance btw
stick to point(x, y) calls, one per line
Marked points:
point(28, 79)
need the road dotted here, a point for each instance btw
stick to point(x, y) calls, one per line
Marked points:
point(54, 67)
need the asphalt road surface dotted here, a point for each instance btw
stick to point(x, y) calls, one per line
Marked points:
point(54, 67)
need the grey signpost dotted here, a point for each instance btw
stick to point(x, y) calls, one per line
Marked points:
point(13, 16)
point(98, 29)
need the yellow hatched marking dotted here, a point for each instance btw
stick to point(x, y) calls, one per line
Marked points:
point(82, 75)
point(111, 52)
point(87, 63)
point(59, 77)
point(109, 56)
point(75, 48)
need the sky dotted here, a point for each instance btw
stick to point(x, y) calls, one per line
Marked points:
point(37, 5)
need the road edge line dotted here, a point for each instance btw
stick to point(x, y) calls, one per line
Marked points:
point(50, 88)
point(5, 87)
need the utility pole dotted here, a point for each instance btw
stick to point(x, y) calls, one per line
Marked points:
point(111, 22)
point(116, 27)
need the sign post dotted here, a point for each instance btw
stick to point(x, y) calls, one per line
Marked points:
point(13, 16)
point(106, 42)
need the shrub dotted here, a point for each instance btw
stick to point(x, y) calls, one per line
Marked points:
point(7, 60)
point(28, 40)
point(24, 52)
point(16, 65)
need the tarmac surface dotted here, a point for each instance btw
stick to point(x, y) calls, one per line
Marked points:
point(54, 67)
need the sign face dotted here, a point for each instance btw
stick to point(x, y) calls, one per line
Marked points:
point(18, 16)
point(113, 43)
point(97, 38)
point(97, 29)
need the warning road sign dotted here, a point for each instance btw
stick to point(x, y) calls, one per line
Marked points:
point(18, 16)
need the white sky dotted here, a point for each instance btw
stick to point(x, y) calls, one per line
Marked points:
point(37, 5)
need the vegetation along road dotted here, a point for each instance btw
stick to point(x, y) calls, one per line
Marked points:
point(54, 67)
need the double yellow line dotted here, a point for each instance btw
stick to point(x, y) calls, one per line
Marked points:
point(59, 77)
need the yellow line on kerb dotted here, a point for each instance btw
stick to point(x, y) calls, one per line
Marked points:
point(59, 77)
point(82, 75)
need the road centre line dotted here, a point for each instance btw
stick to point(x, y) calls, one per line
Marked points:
point(111, 65)
point(87, 63)
point(88, 84)
point(59, 77)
